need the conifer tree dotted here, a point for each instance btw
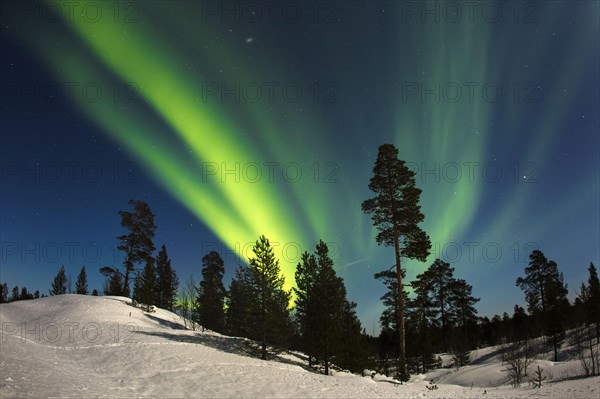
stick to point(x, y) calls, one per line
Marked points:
point(239, 304)
point(396, 214)
point(211, 293)
point(59, 284)
point(145, 291)
point(95, 292)
point(591, 299)
point(306, 304)
point(137, 243)
point(557, 305)
point(15, 294)
point(435, 282)
point(265, 312)
point(167, 281)
point(81, 284)
point(114, 285)
point(3, 293)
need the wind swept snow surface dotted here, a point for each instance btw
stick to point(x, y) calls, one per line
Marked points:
point(85, 346)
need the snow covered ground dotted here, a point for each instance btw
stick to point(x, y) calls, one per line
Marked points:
point(84, 346)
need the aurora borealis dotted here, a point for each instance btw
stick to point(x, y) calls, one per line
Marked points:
point(249, 118)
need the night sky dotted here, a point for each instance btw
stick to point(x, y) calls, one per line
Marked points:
point(238, 119)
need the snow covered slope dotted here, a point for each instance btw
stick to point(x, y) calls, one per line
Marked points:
point(84, 346)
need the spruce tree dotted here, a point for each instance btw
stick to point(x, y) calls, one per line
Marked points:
point(396, 214)
point(15, 294)
point(81, 286)
point(146, 290)
point(306, 310)
point(435, 282)
point(267, 313)
point(95, 292)
point(3, 293)
point(59, 284)
point(211, 293)
point(239, 304)
point(327, 322)
point(167, 281)
point(137, 243)
point(114, 285)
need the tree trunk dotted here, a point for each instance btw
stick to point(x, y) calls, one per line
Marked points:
point(401, 334)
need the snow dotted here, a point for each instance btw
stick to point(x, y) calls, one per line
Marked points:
point(84, 346)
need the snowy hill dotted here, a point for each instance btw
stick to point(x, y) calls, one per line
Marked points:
point(84, 346)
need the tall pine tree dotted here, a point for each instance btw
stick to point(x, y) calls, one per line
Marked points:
point(59, 284)
point(396, 214)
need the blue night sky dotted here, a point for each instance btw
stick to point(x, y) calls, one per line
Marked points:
point(237, 119)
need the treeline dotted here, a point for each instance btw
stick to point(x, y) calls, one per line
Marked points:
point(441, 317)
point(60, 285)
point(17, 295)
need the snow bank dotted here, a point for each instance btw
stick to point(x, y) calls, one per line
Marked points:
point(84, 346)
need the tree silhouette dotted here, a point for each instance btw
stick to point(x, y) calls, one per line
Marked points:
point(396, 214)
point(59, 284)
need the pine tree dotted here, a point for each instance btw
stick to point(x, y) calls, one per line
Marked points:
point(25, 294)
point(15, 294)
point(36, 294)
point(137, 244)
point(592, 300)
point(396, 214)
point(114, 285)
point(557, 305)
point(435, 282)
point(3, 293)
point(59, 284)
point(211, 294)
point(95, 292)
point(81, 285)
point(266, 312)
point(327, 321)
point(145, 292)
point(239, 305)
point(306, 304)
point(167, 281)
point(537, 273)
point(352, 351)
point(330, 297)
point(419, 322)
point(462, 306)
